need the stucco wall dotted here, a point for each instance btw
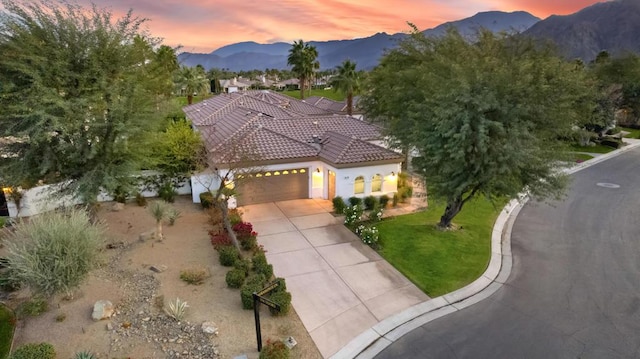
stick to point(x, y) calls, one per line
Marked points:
point(41, 199)
point(345, 179)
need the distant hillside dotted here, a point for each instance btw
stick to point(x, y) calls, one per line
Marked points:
point(613, 26)
point(365, 51)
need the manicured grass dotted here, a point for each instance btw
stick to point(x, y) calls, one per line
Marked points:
point(338, 96)
point(633, 132)
point(182, 100)
point(580, 157)
point(7, 322)
point(592, 149)
point(439, 262)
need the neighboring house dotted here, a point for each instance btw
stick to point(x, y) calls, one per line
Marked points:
point(301, 150)
point(334, 106)
point(287, 84)
point(234, 85)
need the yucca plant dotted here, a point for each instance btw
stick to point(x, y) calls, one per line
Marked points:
point(172, 215)
point(158, 211)
point(177, 309)
point(85, 355)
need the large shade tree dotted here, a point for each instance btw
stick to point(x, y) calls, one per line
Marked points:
point(485, 117)
point(79, 92)
point(192, 80)
point(303, 61)
point(347, 81)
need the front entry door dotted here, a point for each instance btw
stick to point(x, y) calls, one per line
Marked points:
point(332, 184)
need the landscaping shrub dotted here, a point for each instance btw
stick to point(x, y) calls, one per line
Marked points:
point(611, 142)
point(220, 239)
point(376, 213)
point(215, 216)
point(338, 205)
point(85, 355)
point(355, 201)
point(120, 195)
point(244, 265)
point(243, 229)
point(384, 200)
point(3, 221)
point(235, 278)
point(167, 192)
point(246, 236)
point(274, 350)
point(283, 299)
point(368, 234)
point(228, 255)
point(282, 287)
point(370, 202)
point(261, 266)
point(396, 199)
point(34, 351)
point(172, 215)
point(353, 215)
point(254, 283)
point(195, 276)
point(235, 216)
point(141, 200)
point(206, 199)
point(54, 251)
point(32, 308)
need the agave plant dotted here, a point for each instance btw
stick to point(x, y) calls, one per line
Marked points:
point(85, 355)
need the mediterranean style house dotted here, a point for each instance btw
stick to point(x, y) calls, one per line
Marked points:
point(297, 150)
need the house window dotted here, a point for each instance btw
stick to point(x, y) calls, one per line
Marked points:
point(358, 185)
point(376, 183)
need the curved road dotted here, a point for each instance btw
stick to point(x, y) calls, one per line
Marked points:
point(574, 291)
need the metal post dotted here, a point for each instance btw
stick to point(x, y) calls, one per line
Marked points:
point(256, 314)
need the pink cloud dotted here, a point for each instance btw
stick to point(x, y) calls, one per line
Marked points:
point(204, 25)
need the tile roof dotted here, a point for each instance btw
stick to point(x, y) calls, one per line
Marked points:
point(274, 127)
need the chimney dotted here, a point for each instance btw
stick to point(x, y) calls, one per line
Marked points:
point(234, 81)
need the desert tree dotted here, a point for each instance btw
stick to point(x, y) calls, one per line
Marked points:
point(303, 61)
point(81, 90)
point(347, 80)
point(485, 117)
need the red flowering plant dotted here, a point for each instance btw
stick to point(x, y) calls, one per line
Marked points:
point(220, 239)
point(246, 236)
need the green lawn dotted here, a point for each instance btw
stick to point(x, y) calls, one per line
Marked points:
point(633, 132)
point(6, 331)
point(338, 96)
point(439, 262)
point(580, 157)
point(592, 149)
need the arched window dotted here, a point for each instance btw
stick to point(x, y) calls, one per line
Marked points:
point(376, 183)
point(358, 185)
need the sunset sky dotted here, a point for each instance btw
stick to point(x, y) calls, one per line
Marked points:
point(205, 25)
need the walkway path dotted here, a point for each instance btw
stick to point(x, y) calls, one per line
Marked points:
point(340, 286)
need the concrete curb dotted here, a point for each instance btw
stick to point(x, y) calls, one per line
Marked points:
point(374, 340)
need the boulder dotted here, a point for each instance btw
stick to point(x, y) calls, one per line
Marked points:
point(210, 328)
point(103, 309)
point(117, 207)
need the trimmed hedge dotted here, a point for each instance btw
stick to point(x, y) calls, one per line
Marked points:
point(34, 351)
point(206, 199)
point(228, 255)
point(282, 298)
point(355, 201)
point(254, 283)
point(338, 205)
point(235, 278)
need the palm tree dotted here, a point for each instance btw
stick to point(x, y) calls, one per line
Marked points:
point(192, 80)
point(348, 81)
point(303, 59)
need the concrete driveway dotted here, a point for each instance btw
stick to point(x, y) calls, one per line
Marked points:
point(340, 286)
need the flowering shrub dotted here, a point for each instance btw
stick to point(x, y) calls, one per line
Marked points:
point(353, 214)
point(368, 234)
point(246, 236)
point(376, 214)
point(219, 239)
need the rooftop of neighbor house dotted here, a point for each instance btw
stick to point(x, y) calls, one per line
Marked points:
point(278, 128)
point(330, 105)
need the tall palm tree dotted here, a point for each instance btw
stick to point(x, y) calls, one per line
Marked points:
point(192, 80)
point(303, 61)
point(348, 81)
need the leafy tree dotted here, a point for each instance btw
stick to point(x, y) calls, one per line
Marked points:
point(484, 116)
point(303, 60)
point(348, 81)
point(81, 91)
point(192, 80)
point(178, 149)
point(54, 252)
point(619, 80)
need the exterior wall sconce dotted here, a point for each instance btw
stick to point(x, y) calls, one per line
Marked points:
point(318, 169)
point(393, 174)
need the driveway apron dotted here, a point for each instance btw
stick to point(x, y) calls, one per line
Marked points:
point(340, 286)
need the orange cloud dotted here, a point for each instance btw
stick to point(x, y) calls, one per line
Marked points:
point(205, 25)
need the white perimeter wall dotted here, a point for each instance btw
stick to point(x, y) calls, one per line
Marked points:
point(40, 199)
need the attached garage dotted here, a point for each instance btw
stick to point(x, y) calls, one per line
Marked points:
point(272, 186)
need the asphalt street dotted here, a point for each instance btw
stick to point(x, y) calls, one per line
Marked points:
point(574, 291)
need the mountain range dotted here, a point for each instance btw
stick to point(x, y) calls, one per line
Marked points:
point(613, 26)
